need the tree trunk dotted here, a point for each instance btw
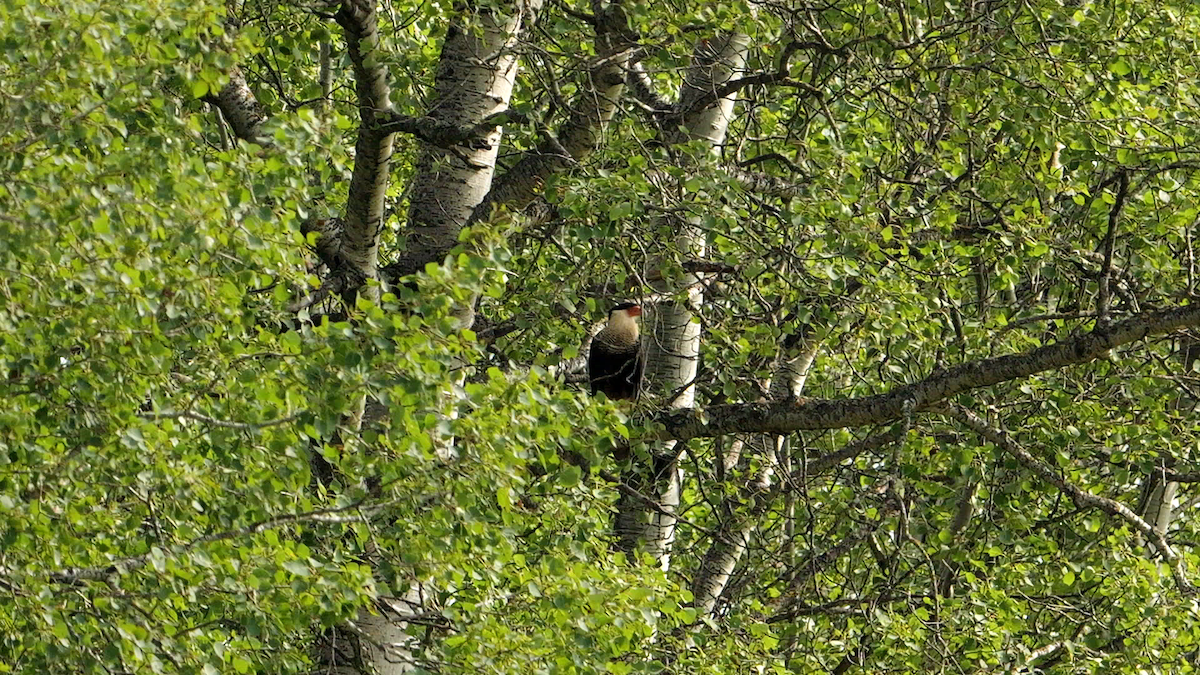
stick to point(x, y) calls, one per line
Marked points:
point(474, 81)
point(372, 153)
point(454, 187)
point(731, 540)
point(673, 345)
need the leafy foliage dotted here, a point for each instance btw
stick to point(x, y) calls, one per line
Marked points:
point(179, 490)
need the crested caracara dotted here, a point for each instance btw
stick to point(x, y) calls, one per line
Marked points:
point(615, 360)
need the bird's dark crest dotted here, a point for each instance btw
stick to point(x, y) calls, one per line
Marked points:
point(623, 305)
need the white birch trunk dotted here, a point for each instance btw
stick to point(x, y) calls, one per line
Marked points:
point(475, 79)
point(372, 152)
point(673, 345)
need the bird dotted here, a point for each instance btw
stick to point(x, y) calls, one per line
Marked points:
point(615, 360)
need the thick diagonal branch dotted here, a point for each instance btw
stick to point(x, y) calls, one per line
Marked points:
point(445, 134)
point(749, 507)
point(240, 108)
point(818, 562)
point(783, 417)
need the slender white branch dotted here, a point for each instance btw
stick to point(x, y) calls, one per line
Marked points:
point(200, 417)
point(1080, 496)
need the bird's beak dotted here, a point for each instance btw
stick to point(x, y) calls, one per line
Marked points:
point(636, 310)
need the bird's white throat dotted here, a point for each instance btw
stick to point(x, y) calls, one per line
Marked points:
point(622, 324)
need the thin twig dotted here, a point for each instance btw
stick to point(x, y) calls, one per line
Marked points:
point(73, 575)
point(1105, 295)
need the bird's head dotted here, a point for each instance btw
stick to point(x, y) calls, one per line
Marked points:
point(623, 316)
point(630, 309)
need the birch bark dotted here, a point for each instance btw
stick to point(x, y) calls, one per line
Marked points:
point(673, 345)
point(455, 185)
point(474, 80)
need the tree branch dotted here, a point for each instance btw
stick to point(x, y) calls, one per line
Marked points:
point(579, 135)
point(1081, 497)
point(816, 562)
point(199, 417)
point(642, 87)
point(770, 186)
point(74, 575)
point(1104, 295)
point(779, 76)
point(781, 417)
point(442, 134)
point(240, 108)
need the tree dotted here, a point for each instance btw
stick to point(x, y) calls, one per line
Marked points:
point(296, 297)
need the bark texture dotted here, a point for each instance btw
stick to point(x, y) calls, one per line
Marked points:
point(372, 151)
point(352, 253)
point(474, 82)
point(240, 108)
point(578, 137)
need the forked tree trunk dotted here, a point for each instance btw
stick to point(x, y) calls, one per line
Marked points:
point(474, 80)
point(453, 187)
point(733, 535)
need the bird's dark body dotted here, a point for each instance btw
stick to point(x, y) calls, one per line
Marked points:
point(615, 370)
